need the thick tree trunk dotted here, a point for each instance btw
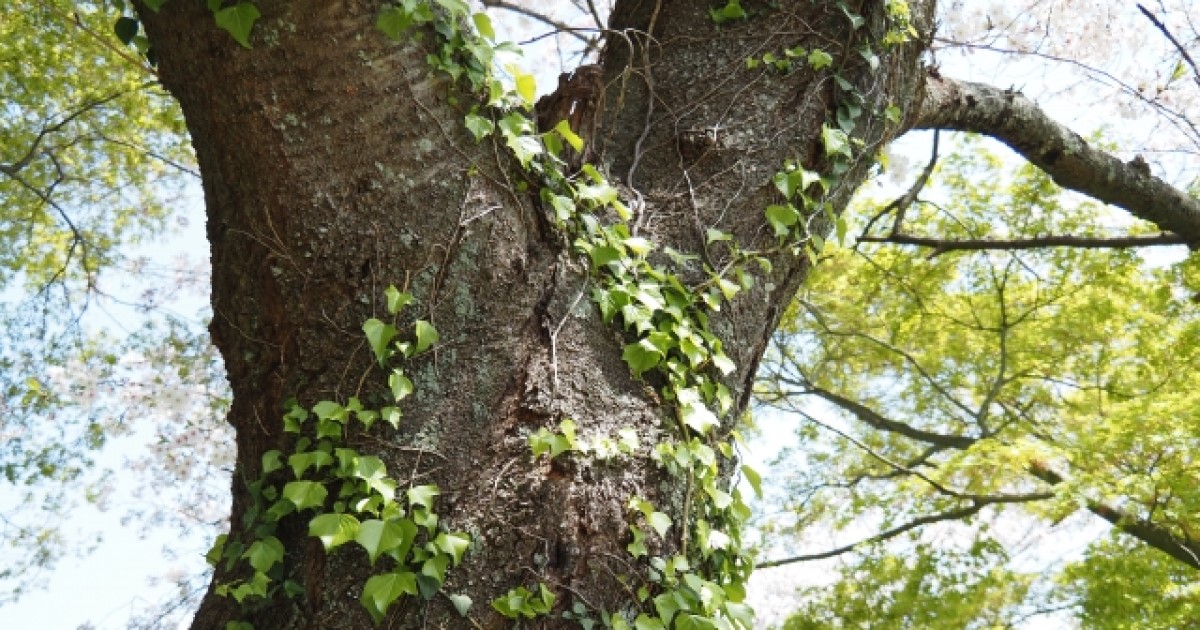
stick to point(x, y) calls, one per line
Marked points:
point(334, 166)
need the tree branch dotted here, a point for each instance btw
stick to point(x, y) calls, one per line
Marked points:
point(1066, 157)
point(951, 515)
point(1178, 46)
point(941, 246)
point(1148, 532)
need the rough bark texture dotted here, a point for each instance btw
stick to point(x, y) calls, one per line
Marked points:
point(1010, 117)
point(334, 166)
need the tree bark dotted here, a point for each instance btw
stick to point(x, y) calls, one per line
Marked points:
point(334, 164)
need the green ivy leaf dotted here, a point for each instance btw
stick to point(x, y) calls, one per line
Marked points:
point(381, 591)
point(384, 537)
point(397, 299)
point(334, 530)
point(836, 142)
point(479, 126)
point(564, 129)
point(819, 59)
point(238, 20)
point(754, 479)
point(305, 494)
point(453, 544)
point(422, 495)
point(462, 603)
point(263, 554)
point(301, 462)
point(483, 24)
point(379, 335)
point(526, 85)
point(781, 218)
point(272, 460)
point(427, 335)
point(641, 356)
point(400, 385)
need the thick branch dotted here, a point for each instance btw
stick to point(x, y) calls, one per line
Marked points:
point(1150, 533)
point(1018, 122)
point(876, 420)
point(941, 246)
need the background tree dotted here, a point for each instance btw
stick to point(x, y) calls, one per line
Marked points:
point(959, 386)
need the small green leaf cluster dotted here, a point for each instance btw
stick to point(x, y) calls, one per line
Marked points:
point(603, 448)
point(786, 60)
point(521, 602)
point(351, 496)
point(731, 11)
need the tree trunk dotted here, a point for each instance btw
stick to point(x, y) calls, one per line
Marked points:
point(334, 165)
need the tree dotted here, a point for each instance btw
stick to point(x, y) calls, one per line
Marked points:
point(332, 171)
point(972, 389)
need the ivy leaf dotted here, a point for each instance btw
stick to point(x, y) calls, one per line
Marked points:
point(819, 59)
point(644, 622)
point(238, 20)
point(334, 530)
point(698, 417)
point(836, 142)
point(126, 28)
point(462, 603)
point(400, 385)
point(301, 462)
point(380, 537)
point(659, 522)
point(263, 554)
point(564, 129)
point(397, 299)
point(483, 24)
point(381, 591)
point(422, 495)
point(526, 86)
point(272, 460)
point(379, 335)
point(782, 218)
point(427, 335)
point(637, 548)
point(479, 126)
point(453, 544)
point(641, 356)
point(305, 494)
point(754, 479)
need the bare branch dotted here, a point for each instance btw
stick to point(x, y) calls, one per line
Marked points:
point(941, 246)
point(1166, 32)
point(536, 15)
point(1018, 122)
point(952, 515)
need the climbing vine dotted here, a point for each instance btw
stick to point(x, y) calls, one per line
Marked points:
point(350, 498)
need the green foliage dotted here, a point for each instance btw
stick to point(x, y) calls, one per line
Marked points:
point(91, 151)
point(350, 496)
point(1030, 383)
point(521, 602)
point(925, 588)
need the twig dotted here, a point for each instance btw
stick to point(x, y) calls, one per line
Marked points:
point(1178, 46)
